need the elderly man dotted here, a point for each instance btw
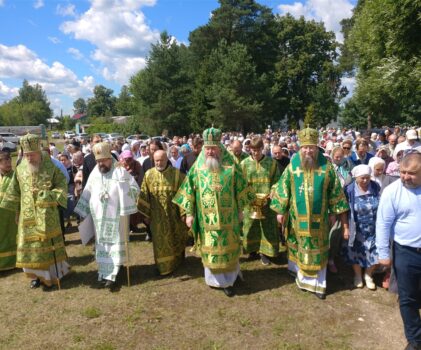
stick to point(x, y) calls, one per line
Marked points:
point(260, 235)
point(8, 227)
point(110, 197)
point(169, 233)
point(281, 159)
point(237, 151)
point(37, 189)
point(308, 191)
point(213, 195)
point(398, 220)
point(176, 158)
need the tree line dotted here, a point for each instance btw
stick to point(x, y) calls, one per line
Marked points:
point(248, 68)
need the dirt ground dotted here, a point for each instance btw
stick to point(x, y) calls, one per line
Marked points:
point(181, 312)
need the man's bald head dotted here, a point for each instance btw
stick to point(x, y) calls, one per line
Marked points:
point(160, 159)
point(236, 147)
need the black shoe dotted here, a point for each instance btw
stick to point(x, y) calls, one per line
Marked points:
point(229, 291)
point(264, 259)
point(109, 284)
point(35, 283)
point(413, 346)
point(321, 296)
point(253, 256)
point(47, 288)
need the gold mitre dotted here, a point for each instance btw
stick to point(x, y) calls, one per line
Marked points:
point(308, 137)
point(30, 143)
point(102, 150)
point(212, 137)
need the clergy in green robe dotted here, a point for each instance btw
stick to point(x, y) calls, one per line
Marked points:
point(36, 190)
point(8, 227)
point(169, 232)
point(236, 149)
point(308, 191)
point(260, 235)
point(213, 195)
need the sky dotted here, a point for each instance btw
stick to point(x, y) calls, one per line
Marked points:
point(69, 46)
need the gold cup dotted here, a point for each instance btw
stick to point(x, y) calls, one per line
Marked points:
point(257, 206)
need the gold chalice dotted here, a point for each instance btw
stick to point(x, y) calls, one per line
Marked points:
point(257, 206)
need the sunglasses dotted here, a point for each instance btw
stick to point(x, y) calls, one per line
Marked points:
point(346, 147)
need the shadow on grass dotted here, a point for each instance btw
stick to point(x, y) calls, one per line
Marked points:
point(81, 260)
point(258, 280)
point(6, 273)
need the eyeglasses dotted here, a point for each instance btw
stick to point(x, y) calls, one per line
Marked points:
point(346, 147)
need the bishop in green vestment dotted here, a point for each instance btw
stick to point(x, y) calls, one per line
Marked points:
point(213, 195)
point(260, 235)
point(169, 232)
point(308, 191)
point(36, 190)
point(8, 227)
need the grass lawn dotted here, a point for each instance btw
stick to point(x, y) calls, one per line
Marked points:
point(181, 312)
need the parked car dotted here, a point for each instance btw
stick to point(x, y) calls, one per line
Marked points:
point(161, 138)
point(141, 137)
point(56, 135)
point(7, 146)
point(114, 136)
point(9, 137)
point(69, 134)
point(82, 136)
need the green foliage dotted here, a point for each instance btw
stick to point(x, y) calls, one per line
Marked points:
point(305, 71)
point(67, 123)
point(162, 91)
point(385, 37)
point(124, 104)
point(80, 106)
point(102, 103)
point(30, 107)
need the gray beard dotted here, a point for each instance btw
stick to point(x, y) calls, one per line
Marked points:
point(212, 164)
point(33, 168)
point(308, 163)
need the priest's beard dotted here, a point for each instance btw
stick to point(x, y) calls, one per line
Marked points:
point(103, 169)
point(34, 166)
point(308, 162)
point(212, 164)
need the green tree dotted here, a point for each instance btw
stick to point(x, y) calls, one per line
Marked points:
point(102, 103)
point(305, 71)
point(162, 91)
point(384, 38)
point(232, 94)
point(80, 106)
point(125, 103)
point(30, 107)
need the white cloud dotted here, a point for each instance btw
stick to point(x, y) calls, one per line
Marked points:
point(6, 92)
point(1, 3)
point(66, 10)
point(54, 40)
point(19, 63)
point(349, 83)
point(38, 4)
point(76, 54)
point(120, 33)
point(331, 12)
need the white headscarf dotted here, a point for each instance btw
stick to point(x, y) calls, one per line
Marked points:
point(361, 170)
point(372, 163)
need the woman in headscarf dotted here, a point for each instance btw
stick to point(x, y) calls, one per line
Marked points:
point(360, 251)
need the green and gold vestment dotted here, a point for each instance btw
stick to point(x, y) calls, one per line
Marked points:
point(8, 228)
point(241, 157)
point(36, 196)
point(308, 196)
point(261, 235)
point(214, 199)
point(169, 233)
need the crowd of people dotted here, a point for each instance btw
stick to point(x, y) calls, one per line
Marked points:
point(324, 196)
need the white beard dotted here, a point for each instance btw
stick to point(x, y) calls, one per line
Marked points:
point(212, 164)
point(33, 168)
